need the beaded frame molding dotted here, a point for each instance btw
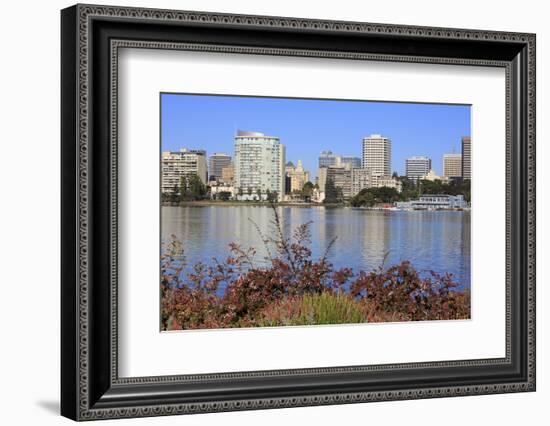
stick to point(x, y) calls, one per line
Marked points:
point(91, 38)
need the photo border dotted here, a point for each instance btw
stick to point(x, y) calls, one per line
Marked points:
point(302, 98)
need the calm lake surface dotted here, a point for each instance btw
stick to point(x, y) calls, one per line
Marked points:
point(438, 241)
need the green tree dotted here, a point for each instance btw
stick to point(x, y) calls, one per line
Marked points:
point(272, 196)
point(454, 187)
point(407, 184)
point(174, 195)
point(371, 196)
point(259, 194)
point(192, 188)
point(364, 198)
point(332, 193)
point(184, 189)
point(307, 191)
point(196, 188)
point(386, 194)
point(224, 195)
point(409, 188)
point(465, 189)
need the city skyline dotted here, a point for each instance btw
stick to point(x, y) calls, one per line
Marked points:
point(311, 126)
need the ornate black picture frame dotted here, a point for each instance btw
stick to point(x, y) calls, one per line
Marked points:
point(91, 36)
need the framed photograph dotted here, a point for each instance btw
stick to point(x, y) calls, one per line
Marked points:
point(263, 212)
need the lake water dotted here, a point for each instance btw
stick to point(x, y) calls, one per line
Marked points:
point(430, 240)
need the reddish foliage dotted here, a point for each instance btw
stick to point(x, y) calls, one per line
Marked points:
point(401, 291)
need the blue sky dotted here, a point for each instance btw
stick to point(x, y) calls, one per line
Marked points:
point(308, 126)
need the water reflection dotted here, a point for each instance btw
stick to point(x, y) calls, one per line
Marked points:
point(438, 241)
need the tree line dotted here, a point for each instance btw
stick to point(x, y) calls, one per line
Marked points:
point(410, 190)
point(190, 188)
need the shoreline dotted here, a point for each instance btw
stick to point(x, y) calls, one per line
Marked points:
point(245, 203)
point(210, 203)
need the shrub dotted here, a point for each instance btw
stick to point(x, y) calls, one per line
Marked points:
point(401, 291)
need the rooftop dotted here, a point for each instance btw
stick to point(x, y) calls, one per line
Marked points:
point(249, 133)
point(418, 157)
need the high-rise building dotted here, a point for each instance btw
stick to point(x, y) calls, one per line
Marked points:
point(289, 168)
point(466, 157)
point(182, 163)
point(321, 179)
point(377, 155)
point(259, 166)
point(417, 167)
point(452, 165)
point(340, 178)
point(228, 174)
point(354, 162)
point(360, 179)
point(297, 175)
point(327, 159)
point(216, 162)
point(282, 174)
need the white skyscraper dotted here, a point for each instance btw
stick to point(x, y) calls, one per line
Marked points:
point(377, 155)
point(182, 163)
point(259, 166)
